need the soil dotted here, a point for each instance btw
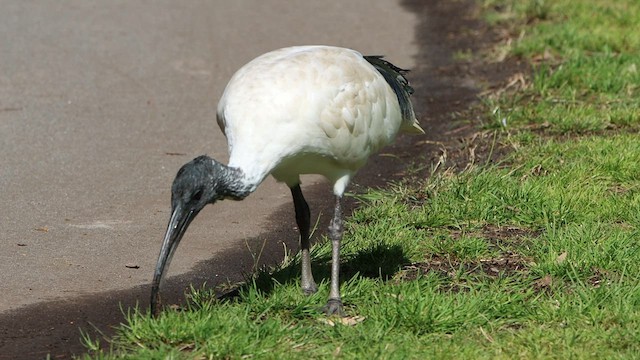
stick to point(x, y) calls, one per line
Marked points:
point(446, 94)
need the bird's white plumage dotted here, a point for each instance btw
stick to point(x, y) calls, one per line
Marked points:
point(307, 109)
point(298, 110)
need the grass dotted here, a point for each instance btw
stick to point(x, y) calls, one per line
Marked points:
point(535, 256)
point(585, 56)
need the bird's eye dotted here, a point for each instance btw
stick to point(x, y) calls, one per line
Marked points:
point(197, 195)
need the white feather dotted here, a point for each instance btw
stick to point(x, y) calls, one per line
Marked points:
point(307, 109)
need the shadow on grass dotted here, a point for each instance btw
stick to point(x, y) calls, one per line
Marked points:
point(381, 261)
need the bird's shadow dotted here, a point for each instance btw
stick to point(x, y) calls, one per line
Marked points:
point(381, 261)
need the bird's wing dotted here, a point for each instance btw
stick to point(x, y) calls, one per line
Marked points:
point(370, 104)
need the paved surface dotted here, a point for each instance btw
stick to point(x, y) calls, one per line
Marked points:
point(102, 102)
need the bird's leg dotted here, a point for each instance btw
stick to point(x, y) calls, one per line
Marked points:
point(334, 304)
point(303, 218)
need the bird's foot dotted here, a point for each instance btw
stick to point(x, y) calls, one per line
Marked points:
point(334, 307)
point(310, 289)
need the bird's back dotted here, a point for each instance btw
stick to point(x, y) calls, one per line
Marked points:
point(312, 109)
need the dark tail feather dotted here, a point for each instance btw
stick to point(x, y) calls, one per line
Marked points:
point(398, 82)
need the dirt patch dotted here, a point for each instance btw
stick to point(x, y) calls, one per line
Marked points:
point(506, 264)
point(496, 235)
point(599, 277)
point(502, 236)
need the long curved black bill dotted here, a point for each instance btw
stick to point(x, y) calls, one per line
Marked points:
point(178, 223)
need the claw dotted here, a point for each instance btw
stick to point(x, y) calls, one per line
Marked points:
point(334, 307)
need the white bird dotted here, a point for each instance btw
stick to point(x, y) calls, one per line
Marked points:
point(298, 110)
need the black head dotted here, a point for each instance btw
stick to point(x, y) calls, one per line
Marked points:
point(196, 185)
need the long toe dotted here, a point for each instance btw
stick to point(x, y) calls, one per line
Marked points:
point(334, 307)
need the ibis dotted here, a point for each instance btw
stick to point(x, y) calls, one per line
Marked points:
point(297, 110)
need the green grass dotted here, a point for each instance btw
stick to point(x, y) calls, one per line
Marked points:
point(588, 79)
point(413, 265)
point(536, 256)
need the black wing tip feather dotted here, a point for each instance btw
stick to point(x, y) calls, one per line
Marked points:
point(398, 82)
point(380, 58)
point(387, 68)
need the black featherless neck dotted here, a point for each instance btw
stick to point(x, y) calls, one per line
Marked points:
point(229, 181)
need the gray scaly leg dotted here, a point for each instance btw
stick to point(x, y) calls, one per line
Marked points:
point(334, 304)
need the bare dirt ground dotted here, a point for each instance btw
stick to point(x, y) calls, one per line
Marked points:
point(445, 89)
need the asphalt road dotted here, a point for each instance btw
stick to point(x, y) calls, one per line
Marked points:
point(102, 102)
